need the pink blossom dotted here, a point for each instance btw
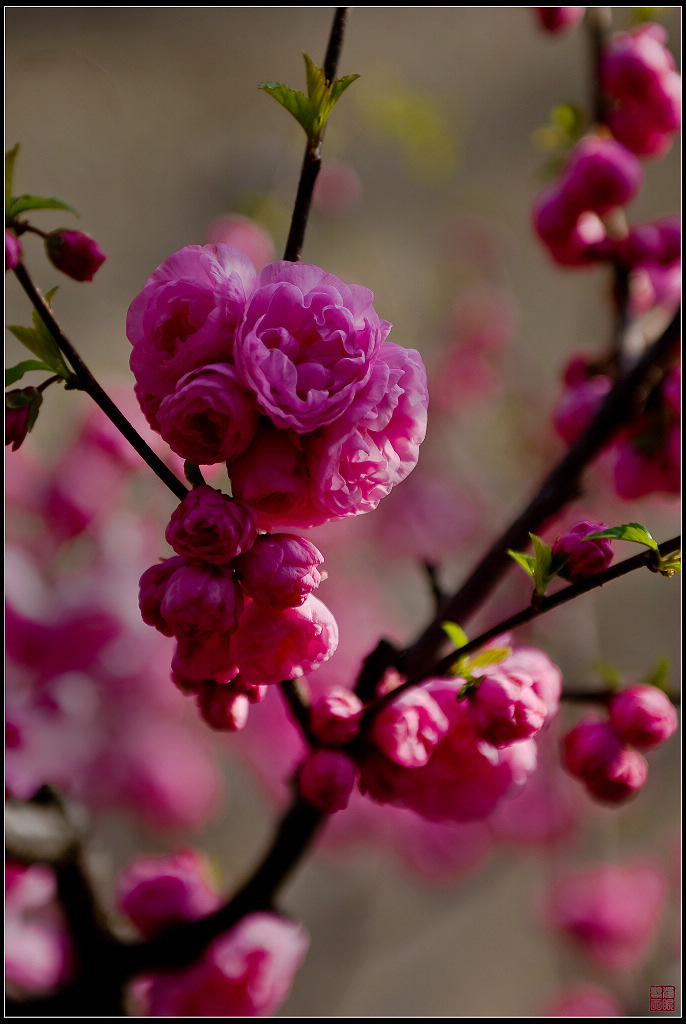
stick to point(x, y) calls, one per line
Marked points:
point(155, 892)
point(465, 777)
point(577, 406)
point(36, 939)
point(187, 314)
point(245, 973)
point(613, 912)
point(558, 19)
point(544, 677)
point(583, 557)
point(408, 729)
point(307, 344)
point(12, 250)
point(326, 780)
point(335, 717)
point(211, 526)
point(356, 461)
point(505, 708)
point(75, 254)
point(245, 234)
point(201, 657)
point(648, 461)
point(280, 570)
point(153, 587)
point(271, 644)
point(611, 772)
point(272, 476)
point(600, 175)
point(643, 716)
point(221, 707)
point(201, 599)
point(209, 417)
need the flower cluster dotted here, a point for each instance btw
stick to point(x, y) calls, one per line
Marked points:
point(245, 972)
point(604, 752)
point(224, 591)
point(286, 376)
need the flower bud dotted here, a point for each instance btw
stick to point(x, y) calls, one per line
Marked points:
point(211, 526)
point(583, 557)
point(280, 570)
point(155, 892)
point(335, 718)
point(558, 19)
point(326, 780)
point(12, 250)
point(643, 716)
point(408, 729)
point(21, 411)
point(505, 708)
point(221, 707)
point(77, 255)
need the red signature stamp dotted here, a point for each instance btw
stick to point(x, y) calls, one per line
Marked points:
point(662, 997)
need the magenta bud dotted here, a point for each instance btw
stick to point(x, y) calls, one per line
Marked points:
point(643, 716)
point(12, 250)
point(326, 780)
point(583, 557)
point(77, 255)
point(221, 707)
point(21, 410)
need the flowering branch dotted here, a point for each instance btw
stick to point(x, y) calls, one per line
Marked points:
point(561, 486)
point(312, 159)
point(85, 381)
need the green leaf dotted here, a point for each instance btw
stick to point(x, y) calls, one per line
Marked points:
point(628, 531)
point(527, 562)
point(20, 204)
point(609, 673)
point(659, 675)
point(10, 158)
point(15, 373)
point(42, 344)
point(311, 111)
point(455, 633)
point(489, 656)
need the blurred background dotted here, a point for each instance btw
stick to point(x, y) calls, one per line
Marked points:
point(150, 122)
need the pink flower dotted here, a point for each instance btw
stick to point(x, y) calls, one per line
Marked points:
point(75, 254)
point(210, 416)
point(326, 779)
point(408, 729)
point(245, 973)
point(577, 406)
point(200, 599)
point(36, 939)
point(558, 19)
point(221, 707)
point(505, 708)
point(545, 677)
point(12, 250)
point(601, 174)
point(583, 557)
point(465, 777)
point(201, 657)
point(611, 772)
point(152, 588)
point(155, 892)
point(648, 461)
point(613, 912)
point(271, 644)
point(186, 315)
point(356, 461)
point(307, 344)
point(211, 526)
point(335, 717)
point(245, 234)
point(280, 570)
point(643, 716)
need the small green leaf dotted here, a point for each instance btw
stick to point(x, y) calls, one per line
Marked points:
point(42, 344)
point(670, 564)
point(609, 673)
point(20, 204)
point(455, 633)
point(311, 111)
point(15, 373)
point(527, 562)
point(659, 675)
point(628, 531)
point(489, 656)
point(10, 158)
point(296, 103)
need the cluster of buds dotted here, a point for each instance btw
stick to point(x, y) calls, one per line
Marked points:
point(604, 752)
point(225, 590)
point(245, 972)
